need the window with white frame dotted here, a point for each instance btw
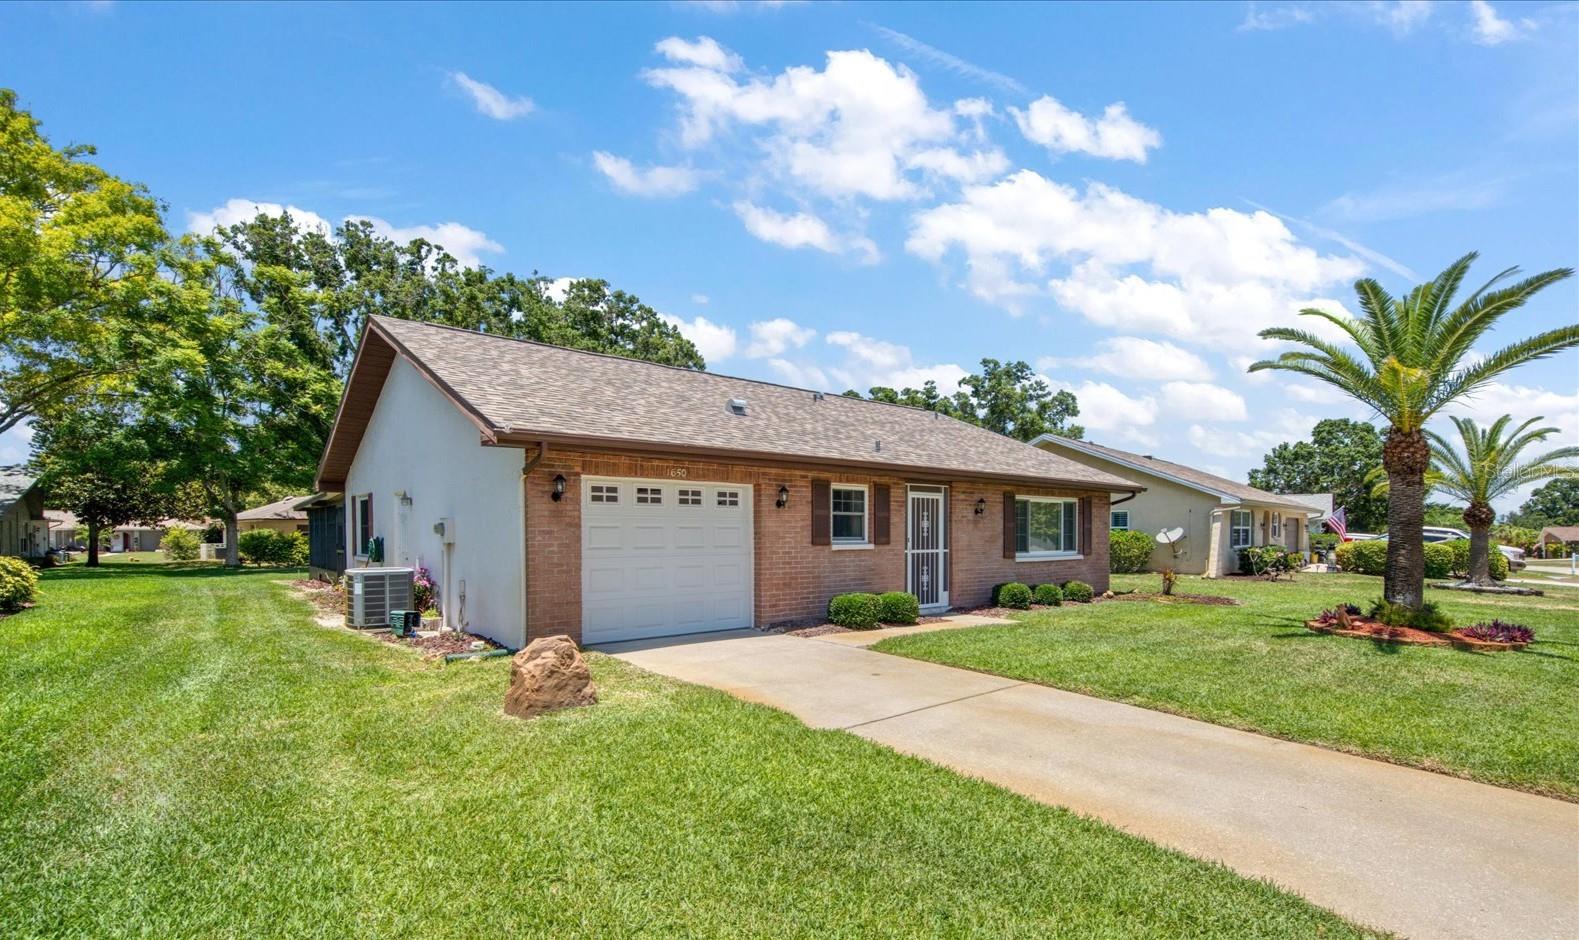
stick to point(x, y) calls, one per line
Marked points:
point(1277, 525)
point(1046, 527)
point(848, 514)
point(689, 498)
point(604, 493)
point(1119, 522)
point(728, 499)
point(649, 496)
point(1241, 523)
point(363, 510)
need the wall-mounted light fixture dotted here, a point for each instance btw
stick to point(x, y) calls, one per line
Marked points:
point(559, 487)
point(783, 499)
point(981, 505)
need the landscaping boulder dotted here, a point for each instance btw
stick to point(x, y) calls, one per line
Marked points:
point(549, 674)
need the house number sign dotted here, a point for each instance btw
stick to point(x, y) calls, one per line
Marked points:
point(677, 472)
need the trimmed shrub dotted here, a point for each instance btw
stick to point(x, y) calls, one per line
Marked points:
point(1016, 595)
point(1129, 551)
point(898, 607)
point(1428, 617)
point(18, 584)
point(856, 611)
point(1048, 595)
point(1078, 592)
point(1368, 557)
point(265, 547)
point(181, 545)
point(1438, 560)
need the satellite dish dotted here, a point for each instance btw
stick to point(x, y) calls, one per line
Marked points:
point(1169, 536)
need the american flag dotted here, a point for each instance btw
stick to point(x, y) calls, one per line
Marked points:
point(1339, 523)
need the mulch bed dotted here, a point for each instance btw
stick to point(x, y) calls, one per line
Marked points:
point(1363, 629)
point(441, 644)
point(810, 628)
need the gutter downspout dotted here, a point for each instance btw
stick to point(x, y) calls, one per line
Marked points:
point(527, 466)
point(1117, 502)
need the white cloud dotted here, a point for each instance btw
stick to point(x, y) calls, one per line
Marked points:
point(1115, 135)
point(703, 52)
point(699, 299)
point(491, 101)
point(1491, 29)
point(1202, 276)
point(1205, 400)
point(803, 230)
point(974, 167)
point(1451, 192)
point(557, 289)
point(238, 210)
point(465, 244)
point(1138, 360)
point(773, 337)
point(802, 375)
point(714, 341)
point(1401, 16)
point(1286, 425)
point(1111, 413)
point(651, 181)
point(16, 444)
point(1258, 17)
point(847, 130)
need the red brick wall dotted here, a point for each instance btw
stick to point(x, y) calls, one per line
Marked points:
point(793, 578)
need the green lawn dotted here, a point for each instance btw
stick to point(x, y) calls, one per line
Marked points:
point(186, 754)
point(1505, 718)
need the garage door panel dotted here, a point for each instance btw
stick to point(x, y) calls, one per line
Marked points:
point(670, 559)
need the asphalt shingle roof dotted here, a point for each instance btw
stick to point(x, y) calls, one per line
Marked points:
point(523, 388)
point(279, 509)
point(1200, 478)
point(14, 482)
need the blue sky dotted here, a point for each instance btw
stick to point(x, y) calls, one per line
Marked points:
point(850, 194)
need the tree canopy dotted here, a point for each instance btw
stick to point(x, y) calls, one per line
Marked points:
point(1336, 460)
point(1006, 397)
point(1555, 503)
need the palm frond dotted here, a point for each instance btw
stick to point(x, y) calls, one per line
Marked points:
point(1525, 351)
point(1457, 334)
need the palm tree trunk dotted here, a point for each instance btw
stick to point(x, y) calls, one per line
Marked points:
point(1405, 456)
point(1479, 517)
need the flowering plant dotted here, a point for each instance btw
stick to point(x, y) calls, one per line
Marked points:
point(1500, 632)
point(424, 592)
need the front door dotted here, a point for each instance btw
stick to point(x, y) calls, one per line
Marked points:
point(926, 546)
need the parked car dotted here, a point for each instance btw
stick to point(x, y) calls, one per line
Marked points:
point(1432, 533)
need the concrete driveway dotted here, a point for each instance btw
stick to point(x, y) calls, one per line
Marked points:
point(1417, 853)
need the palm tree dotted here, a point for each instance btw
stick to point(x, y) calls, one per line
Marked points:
point(1488, 470)
point(1411, 363)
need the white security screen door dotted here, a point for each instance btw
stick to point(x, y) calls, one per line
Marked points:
point(926, 546)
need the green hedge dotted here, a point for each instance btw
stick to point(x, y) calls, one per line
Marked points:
point(900, 607)
point(267, 547)
point(1460, 550)
point(1078, 592)
point(1129, 552)
point(1370, 557)
point(1048, 595)
point(18, 584)
point(856, 611)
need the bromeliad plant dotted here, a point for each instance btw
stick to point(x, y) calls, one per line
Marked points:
point(1500, 632)
point(1412, 361)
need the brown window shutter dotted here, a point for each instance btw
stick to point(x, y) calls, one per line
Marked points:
point(821, 509)
point(1009, 533)
point(1086, 522)
point(880, 509)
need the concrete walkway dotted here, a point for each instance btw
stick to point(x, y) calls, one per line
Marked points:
point(1417, 853)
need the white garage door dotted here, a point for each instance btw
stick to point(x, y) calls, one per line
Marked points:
point(660, 558)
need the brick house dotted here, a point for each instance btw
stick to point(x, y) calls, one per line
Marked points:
point(550, 490)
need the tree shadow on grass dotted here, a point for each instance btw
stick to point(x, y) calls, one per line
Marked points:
point(158, 570)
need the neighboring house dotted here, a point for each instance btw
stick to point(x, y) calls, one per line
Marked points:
point(1320, 505)
point(1217, 515)
point(1555, 537)
point(24, 532)
point(325, 535)
point(62, 529)
point(282, 515)
point(138, 537)
point(555, 491)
